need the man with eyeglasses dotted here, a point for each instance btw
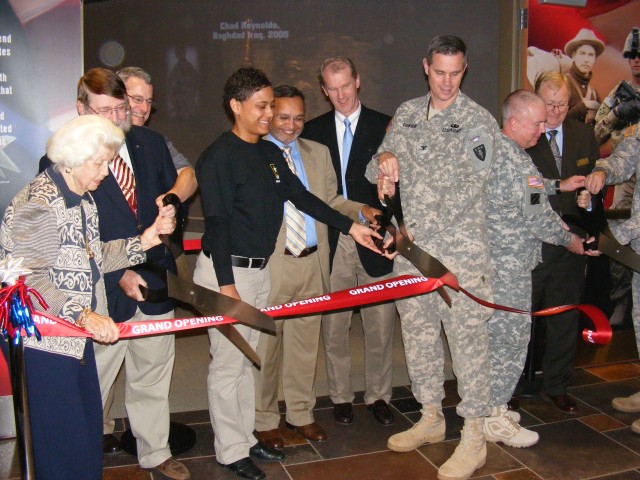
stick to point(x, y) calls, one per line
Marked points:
point(140, 97)
point(565, 154)
point(128, 201)
point(294, 349)
point(140, 94)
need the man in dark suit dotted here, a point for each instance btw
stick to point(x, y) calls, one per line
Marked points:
point(126, 210)
point(567, 149)
point(353, 132)
point(292, 353)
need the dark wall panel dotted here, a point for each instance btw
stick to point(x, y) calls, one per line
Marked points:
point(190, 47)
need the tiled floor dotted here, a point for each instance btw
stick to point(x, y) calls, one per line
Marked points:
point(596, 443)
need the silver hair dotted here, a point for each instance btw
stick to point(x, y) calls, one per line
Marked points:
point(79, 140)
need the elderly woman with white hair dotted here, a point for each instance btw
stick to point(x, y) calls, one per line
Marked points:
point(53, 224)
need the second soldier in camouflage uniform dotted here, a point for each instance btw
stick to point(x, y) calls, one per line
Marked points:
point(443, 145)
point(519, 218)
point(618, 167)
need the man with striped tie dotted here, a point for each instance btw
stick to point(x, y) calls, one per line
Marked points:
point(126, 207)
point(299, 270)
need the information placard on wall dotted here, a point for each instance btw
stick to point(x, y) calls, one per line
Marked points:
point(40, 63)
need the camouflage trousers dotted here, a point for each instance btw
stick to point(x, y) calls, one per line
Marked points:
point(509, 335)
point(465, 326)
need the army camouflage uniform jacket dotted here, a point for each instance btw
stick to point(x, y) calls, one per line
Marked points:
point(519, 216)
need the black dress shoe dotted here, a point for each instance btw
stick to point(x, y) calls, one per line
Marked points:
point(343, 413)
point(381, 412)
point(266, 454)
point(110, 444)
point(564, 404)
point(245, 468)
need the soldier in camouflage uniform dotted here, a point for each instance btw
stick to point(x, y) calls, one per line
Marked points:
point(614, 115)
point(443, 143)
point(618, 167)
point(519, 218)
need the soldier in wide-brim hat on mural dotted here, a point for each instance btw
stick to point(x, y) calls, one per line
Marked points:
point(584, 48)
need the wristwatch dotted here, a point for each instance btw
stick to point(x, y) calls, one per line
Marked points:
point(558, 191)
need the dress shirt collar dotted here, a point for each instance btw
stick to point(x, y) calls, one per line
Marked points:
point(272, 139)
point(353, 118)
point(558, 128)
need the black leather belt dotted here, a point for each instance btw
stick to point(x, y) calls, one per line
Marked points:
point(304, 253)
point(245, 262)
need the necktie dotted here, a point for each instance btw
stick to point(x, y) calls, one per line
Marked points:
point(294, 218)
point(555, 150)
point(347, 140)
point(124, 176)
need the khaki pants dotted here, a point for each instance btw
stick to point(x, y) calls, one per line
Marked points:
point(230, 385)
point(148, 363)
point(377, 322)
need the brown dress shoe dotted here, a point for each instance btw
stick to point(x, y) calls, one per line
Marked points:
point(312, 431)
point(564, 404)
point(343, 413)
point(271, 438)
point(110, 444)
point(172, 469)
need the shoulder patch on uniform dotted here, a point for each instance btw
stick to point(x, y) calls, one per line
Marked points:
point(534, 199)
point(535, 181)
point(480, 152)
point(582, 161)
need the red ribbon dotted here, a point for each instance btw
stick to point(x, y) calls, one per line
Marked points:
point(601, 335)
point(385, 290)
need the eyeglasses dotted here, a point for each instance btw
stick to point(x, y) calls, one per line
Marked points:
point(632, 55)
point(286, 118)
point(138, 100)
point(105, 112)
point(560, 106)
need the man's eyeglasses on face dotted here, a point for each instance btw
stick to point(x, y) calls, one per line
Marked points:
point(105, 112)
point(138, 100)
point(286, 118)
point(560, 105)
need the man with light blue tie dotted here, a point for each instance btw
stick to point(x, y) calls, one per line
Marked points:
point(353, 132)
point(299, 269)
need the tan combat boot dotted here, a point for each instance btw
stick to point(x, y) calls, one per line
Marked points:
point(470, 454)
point(501, 427)
point(629, 404)
point(635, 426)
point(430, 429)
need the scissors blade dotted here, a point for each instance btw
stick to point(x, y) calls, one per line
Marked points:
point(623, 254)
point(214, 303)
point(233, 335)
